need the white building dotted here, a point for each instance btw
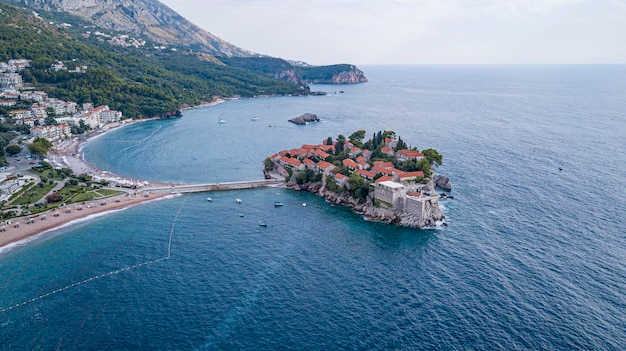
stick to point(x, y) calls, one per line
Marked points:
point(11, 80)
point(390, 192)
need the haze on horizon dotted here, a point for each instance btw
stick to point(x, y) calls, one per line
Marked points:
point(419, 31)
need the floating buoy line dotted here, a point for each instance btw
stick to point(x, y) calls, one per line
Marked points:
point(107, 274)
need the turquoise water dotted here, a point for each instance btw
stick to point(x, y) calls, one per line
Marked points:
point(532, 259)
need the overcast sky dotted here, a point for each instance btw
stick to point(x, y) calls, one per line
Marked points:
point(418, 31)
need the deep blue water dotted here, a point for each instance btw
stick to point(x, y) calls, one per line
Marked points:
point(533, 257)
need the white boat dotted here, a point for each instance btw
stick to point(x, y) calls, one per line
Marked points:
point(255, 118)
point(221, 120)
point(304, 204)
point(262, 224)
point(209, 199)
point(238, 200)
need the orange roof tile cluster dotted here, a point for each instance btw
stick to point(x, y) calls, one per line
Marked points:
point(366, 174)
point(409, 154)
point(349, 163)
point(383, 179)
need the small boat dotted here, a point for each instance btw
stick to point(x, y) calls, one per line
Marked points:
point(255, 118)
point(262, 224)
point(221, 120)
point(304, 204)
point(209, 199)
point(238, 200)
point(277, 203)
point(241, 215)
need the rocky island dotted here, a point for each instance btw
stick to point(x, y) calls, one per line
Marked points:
point(380, 178)
point(305, 118)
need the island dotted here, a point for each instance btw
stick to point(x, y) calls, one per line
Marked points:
point(305, 118)
point(382, 178)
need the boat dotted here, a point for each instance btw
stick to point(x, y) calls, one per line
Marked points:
point(221, 120)
point(262, 224)
point(304, 204)
point(255, 118)
point(277, 203)
point(241, 215)
point(209, 199)
point(238, 200)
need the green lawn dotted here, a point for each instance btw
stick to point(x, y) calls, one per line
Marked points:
point(73, 194)
point(33, 195)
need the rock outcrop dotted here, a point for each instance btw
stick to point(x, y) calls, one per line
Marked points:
point(305, 118)
point(442, 182)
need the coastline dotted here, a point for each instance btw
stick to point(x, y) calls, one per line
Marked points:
point(14, 237)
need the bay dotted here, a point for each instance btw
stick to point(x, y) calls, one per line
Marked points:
point(532, 257)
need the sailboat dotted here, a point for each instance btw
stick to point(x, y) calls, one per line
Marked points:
point(220, 120)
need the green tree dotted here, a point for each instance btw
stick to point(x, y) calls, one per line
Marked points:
point(357, 187)
point(433, 156)
point(40, 146)
point(358, 135)
point(13, 149)
point(268, 164)
point(341, 140)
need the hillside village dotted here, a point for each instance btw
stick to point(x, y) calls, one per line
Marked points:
point(47, 117)
point(382, 178)
point(41, 120)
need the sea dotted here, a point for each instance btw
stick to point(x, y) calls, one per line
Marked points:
point(533, 257)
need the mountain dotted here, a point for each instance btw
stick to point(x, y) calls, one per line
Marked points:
point(140, 81)
point(160, 24)
point(149, 18)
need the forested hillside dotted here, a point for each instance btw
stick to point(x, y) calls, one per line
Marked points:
point(140, 83)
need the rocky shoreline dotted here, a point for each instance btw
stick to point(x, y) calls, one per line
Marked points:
point(431, 217)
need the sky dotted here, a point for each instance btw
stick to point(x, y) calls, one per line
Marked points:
point(418, 31)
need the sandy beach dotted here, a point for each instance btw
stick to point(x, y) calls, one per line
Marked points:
point(19, 228)
point(23, 228)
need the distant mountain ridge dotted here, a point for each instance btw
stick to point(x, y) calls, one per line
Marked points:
point(160, 24)
point(149, 18)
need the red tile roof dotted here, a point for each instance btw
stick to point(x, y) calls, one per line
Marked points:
point(384, 164)
point(409, 154)
point(349, 163)
point(366, 174)
point(379, 169)
point(383, 179)
point(321, 154)
point(324, 165)
point(291, 161)
point(416, 174)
